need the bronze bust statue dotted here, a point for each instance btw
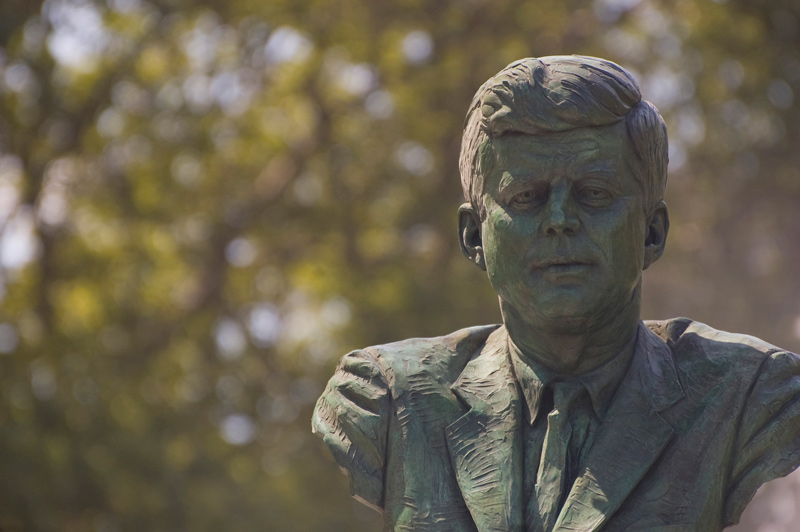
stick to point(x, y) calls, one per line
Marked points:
point(573, 414)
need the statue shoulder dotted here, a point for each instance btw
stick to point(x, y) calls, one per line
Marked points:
point(693, 342)
point(352, 415)
point(441, 357)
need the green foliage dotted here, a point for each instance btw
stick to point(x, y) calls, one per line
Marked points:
point(204, 205)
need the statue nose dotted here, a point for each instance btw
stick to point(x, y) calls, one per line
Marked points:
point(560, 220)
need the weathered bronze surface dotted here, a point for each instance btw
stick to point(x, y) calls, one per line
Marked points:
point(573, 415)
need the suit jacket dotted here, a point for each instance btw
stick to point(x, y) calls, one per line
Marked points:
point(429, 430)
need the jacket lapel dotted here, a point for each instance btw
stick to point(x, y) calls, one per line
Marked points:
point(631, 438)
point(485, 443)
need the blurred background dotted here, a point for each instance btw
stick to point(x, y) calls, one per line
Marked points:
point(204, 204)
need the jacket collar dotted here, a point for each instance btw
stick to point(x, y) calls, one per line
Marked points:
point(633, 423)
point(486, 443)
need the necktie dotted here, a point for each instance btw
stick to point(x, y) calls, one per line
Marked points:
point(554, 475)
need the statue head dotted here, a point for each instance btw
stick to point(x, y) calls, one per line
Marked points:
point(564, 168)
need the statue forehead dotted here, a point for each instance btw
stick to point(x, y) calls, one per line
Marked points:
point(610, 140)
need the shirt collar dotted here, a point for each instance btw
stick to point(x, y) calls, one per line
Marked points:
point(601, 382)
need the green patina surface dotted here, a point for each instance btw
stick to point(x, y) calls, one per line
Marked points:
point(674, 425)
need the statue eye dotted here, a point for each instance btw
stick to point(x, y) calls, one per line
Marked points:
point(528, 198)
point(594, 196)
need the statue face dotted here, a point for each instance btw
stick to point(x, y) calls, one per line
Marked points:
point(564, 234)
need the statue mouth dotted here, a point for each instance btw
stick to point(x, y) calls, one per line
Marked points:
point(563, 265)
point(561, 261)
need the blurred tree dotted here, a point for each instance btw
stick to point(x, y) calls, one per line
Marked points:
point(203, 205)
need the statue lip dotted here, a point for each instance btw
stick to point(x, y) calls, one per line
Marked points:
point(561, 261)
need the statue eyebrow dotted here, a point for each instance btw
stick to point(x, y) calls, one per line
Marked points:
point(512, 182)
point(513, 177)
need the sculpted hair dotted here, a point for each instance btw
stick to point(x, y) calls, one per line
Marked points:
point(558, 93)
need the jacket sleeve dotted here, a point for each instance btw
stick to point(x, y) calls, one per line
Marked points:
point(768, 443)
point(351, 416)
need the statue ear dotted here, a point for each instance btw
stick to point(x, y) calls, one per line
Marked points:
point(469, 235)
point(656, 236)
